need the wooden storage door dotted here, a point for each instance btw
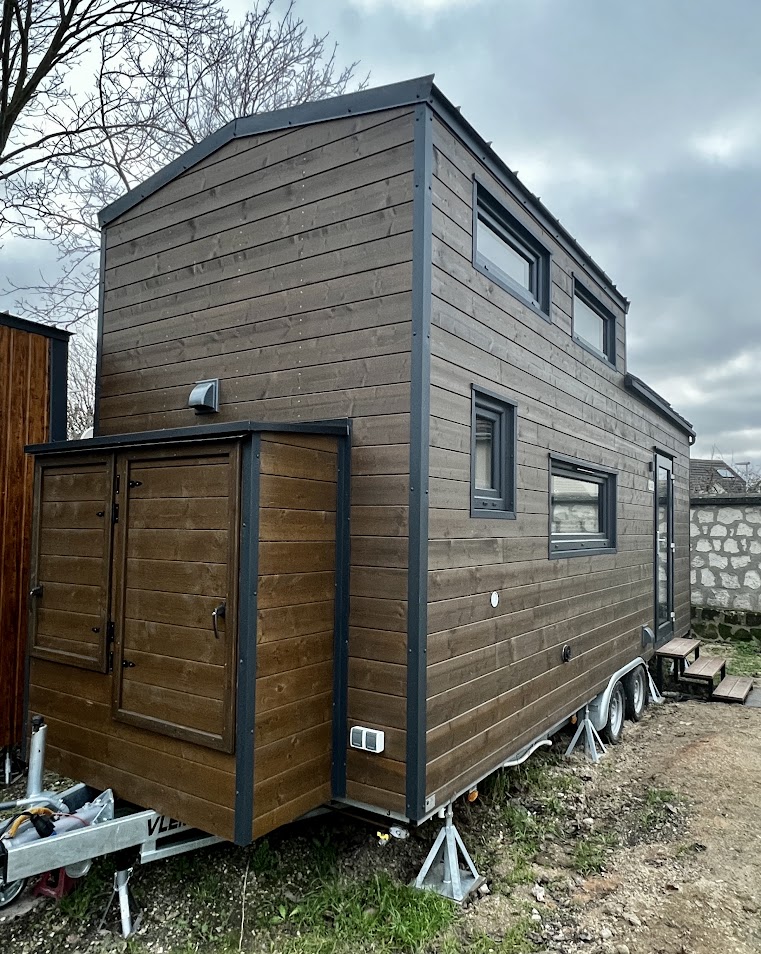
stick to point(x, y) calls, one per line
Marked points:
point(71, 562)
point(175, 563)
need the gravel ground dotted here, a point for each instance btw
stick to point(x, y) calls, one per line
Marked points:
point(655, 850)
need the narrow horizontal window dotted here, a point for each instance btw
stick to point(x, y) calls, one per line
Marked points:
point(507, 252)
point(492, 470)
point(593, 325)
point(582, 509)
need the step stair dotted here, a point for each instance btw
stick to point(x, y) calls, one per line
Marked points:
point(733, 689)
point(695, 674)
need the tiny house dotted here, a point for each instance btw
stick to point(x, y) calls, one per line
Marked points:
point(432, 502)
point(33, 361)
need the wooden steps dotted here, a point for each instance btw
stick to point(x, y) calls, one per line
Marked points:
point(696, 676)
point(733, 689)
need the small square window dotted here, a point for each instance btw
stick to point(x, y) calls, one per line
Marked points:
point(582, 508)
point(492, 467)
point(505, 250)
point(593, 325)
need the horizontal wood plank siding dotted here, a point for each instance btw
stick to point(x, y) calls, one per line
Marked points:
point(282, 264)
point(24, 399)
point(294, 673)
point(171, 776)
point(495, 674)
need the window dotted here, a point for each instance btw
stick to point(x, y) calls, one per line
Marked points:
point(593, 325)
point(582, 508)
point(508, 253)
point(492, 456)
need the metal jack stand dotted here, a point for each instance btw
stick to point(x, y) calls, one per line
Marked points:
point(591, 738)
point(655, 696)
point(441, 871)
point(125, 896)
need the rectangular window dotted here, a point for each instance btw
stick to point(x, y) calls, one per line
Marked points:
point(492, 467)
point(593, 325)
point(508, 253)
point(582, 508)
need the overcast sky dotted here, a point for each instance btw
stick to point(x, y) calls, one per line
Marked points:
point(639, 125)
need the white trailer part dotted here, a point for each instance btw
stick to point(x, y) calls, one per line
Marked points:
point(81, 824)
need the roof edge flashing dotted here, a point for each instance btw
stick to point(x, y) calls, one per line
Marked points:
point(646, 394)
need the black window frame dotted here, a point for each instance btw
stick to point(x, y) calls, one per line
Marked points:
point(608, 355)
point(501, 504)
point(515, 234)
point(585, 544)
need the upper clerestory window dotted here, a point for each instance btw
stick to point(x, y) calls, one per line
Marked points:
point(508, 253)
point(594, 326)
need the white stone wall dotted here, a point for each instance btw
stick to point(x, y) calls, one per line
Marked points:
point(725, 548)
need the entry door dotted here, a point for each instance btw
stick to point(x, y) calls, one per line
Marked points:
point(664, 548)
point(175, 589)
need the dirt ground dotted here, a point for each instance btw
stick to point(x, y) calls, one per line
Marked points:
point(654, 850)
point(692, 886)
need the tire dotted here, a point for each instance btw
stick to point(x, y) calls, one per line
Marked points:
point(614, 727)
point(636, 692)
point(10, 890)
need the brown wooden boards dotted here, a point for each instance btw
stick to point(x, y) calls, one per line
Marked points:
point(295, 638)
point(496, 675)
point(71, 561)
point(24, 412)
point(169, 588)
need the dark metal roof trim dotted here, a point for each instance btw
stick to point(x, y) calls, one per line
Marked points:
point(34, 327)
point(645, 393)
point(179, 434)
point(395, 95)
point(323, 110)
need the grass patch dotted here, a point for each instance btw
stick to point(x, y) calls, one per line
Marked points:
point(379, 914)
point(743, 659)
point(515, 941)
point(591, 852)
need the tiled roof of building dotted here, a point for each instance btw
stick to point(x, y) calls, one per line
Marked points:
point(714, 477)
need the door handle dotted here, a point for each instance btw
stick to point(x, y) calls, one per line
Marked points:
point(36, 590)
point(219, 613)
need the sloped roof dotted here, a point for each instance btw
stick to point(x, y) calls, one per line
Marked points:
point(408, 93)
point(714, 477)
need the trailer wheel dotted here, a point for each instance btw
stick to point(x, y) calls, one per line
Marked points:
point(614, 727)
point(635, 690)
point(10, 890)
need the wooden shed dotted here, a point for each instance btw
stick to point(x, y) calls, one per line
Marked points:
point(518, 503)
point(33, 362)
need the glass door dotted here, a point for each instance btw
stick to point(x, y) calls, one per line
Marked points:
point(664, 549)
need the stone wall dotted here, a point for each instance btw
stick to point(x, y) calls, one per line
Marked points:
point(725, 544)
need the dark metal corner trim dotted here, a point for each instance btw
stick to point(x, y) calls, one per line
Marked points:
point(99, 334)
point(341, 626)
point(420, 399)
point(59, 373)
point(245, 694)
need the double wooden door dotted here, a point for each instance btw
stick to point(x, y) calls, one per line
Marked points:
point(135, 575)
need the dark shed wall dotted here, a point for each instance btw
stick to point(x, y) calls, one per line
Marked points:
point(282, 265)
point(24, 419)
point(495, 676)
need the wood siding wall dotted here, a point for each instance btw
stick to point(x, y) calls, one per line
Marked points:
point(495, 675)
point(295, 627)
point(282, 265)
point(24, 411)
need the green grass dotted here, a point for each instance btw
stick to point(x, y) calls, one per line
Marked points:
point(515, 941)
point(379, 914)
point(743, 659)
point(591, 853)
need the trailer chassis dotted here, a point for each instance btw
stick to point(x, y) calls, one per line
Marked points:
point(87, 824)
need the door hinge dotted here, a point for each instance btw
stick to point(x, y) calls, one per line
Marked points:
point(115, 513)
